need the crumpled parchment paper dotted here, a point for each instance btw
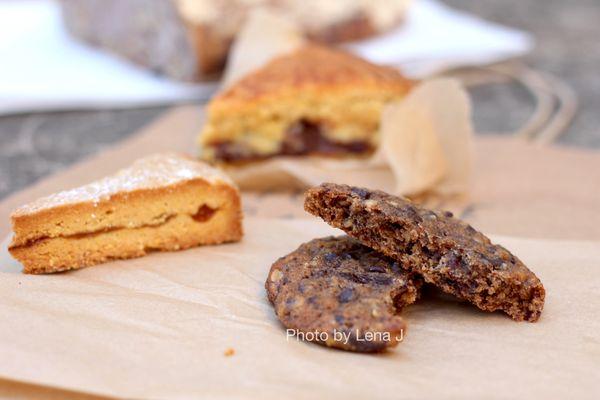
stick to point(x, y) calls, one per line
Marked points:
point(158, 327)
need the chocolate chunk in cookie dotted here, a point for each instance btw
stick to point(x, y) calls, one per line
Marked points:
point(447, 252)
point(339, 293)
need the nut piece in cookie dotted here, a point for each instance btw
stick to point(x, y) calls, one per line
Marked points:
point(447, 252)
point(339, 293)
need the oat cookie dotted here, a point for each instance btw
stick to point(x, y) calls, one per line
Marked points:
point(345, 294)
point(447, 252)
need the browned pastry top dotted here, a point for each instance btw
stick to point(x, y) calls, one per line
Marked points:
point(448, 252)
point(313, 66)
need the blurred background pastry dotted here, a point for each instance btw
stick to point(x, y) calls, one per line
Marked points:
point(190, 39)
point(314, 100)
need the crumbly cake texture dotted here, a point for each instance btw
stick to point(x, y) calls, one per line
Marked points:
point(162, 202)
point(312, 100)
point(336, 284)
point(447, 252)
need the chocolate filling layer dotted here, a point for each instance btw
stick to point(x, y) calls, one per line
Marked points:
point(301, 138)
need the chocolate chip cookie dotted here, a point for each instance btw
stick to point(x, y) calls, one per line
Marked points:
point(339, 293)
point(447, 252)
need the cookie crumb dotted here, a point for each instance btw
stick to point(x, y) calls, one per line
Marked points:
point(229, 352)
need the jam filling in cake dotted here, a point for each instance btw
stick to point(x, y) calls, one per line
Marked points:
point(203, 215)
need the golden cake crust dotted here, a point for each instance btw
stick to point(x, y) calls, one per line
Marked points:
point(315, 67)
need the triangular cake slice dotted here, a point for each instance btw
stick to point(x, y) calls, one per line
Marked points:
point(161, 202)
point(314, 100)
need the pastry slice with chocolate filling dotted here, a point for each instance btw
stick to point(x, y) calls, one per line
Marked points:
point(315, 100)
point(162, 202)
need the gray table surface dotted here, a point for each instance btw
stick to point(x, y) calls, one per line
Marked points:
point(568, 45)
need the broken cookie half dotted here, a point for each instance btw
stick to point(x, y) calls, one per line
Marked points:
point(444, 250)
point(339, 293)
point(162, 202)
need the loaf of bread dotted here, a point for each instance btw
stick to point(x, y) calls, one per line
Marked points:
point(189, 39)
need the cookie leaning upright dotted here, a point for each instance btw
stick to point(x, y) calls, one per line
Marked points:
point(447, 252)
point(315, 100)
point(161, 202)
point(343, 291)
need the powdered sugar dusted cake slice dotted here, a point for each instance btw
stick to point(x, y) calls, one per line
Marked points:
point(162, 202)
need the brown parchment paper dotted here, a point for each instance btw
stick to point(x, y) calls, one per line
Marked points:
point(158, 327)
point(58, 331)
point(517, 188)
